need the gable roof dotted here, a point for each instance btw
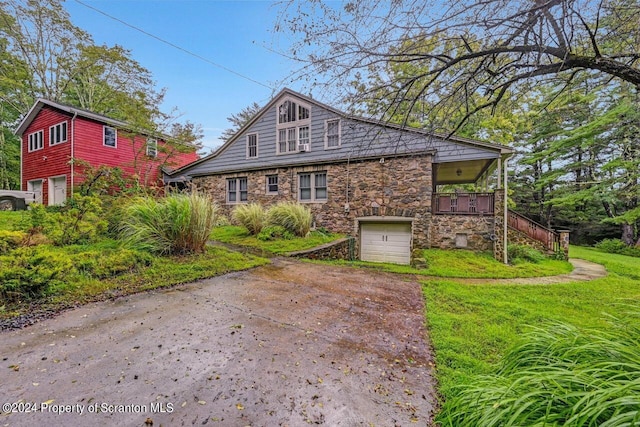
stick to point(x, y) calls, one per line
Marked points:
point(41, 103)
point(502, 149)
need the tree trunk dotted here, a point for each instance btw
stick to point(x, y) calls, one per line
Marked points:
point(627, 234)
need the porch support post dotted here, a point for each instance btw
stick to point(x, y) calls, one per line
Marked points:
point(505, 257)
point(499, 171)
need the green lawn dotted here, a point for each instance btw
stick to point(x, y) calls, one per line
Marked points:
point(240, 236)
point(472, 326)
point(468, 264)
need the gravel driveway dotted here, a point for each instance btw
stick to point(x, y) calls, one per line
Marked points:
point(288, 344)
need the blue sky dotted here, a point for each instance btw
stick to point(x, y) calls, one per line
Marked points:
point(234, 34)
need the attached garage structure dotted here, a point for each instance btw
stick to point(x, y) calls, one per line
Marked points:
point(385, 240)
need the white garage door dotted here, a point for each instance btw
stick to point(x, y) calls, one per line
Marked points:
point(386, 242)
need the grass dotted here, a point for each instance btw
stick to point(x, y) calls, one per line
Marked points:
point(162, 272)
point(472, 327)
point(11, 220)
point(467, 264)
point(240, 236)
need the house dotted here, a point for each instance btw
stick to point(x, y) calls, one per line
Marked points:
point(377, 182)
point(58, 139)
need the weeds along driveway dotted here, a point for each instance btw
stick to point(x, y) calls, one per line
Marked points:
point(287, 344)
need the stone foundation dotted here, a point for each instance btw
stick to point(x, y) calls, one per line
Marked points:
point(475, 232)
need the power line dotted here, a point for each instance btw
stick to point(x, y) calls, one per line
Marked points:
point(173, 45)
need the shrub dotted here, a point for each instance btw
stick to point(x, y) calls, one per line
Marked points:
point(523, 253)
point(251, 216)
point(558, 375)
point(617, 246)
point(176, 224)
point(102, 264)
point(274, 232)
point(29, 272)
point(79, 221)
point(294, 217)
point(10, 240)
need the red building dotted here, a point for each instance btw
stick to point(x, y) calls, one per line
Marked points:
point(58, 139)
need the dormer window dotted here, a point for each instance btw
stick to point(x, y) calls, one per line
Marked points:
point(293, 130)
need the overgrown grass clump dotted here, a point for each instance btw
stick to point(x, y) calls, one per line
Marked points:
point(251, 216)
point(176, 224)
point(292, 216)
point(558, 374)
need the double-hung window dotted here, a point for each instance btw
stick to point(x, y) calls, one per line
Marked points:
point(58, 133)
point(152, 147)
point(237, 190)
point(293, 127)
point(332, 134)
point(272, 184)
point(109, 136)
point(36, 141)
point(312, 187)
point(252, 145)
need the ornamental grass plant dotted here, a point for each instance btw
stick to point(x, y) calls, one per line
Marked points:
point(175, 224)
point(294, 217)
point(556, 375)
point(251, 216)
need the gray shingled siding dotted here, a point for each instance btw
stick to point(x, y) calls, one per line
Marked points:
point(358, 140)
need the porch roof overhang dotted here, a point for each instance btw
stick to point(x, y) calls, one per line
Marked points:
point(461, 172)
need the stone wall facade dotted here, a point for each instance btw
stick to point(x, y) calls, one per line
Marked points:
point(380, 187)
point(499, 224)
point(474, 232)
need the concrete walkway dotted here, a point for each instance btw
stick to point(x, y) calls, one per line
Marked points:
point(582, 271)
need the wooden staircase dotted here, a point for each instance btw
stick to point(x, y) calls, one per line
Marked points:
point(548, 238)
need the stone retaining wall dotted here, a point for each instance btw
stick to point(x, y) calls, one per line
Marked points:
point(339, 249)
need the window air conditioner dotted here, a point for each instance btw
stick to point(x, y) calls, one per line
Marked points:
point(303, 147)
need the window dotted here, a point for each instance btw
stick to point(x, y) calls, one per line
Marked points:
point(312, 187)
point(293, 127)
point(252, 145)
point(36, 141)
point(332, 134)
point(272, 184)
point(237, 190)
point(58, 133)
point(152, 147)
point(109, 136)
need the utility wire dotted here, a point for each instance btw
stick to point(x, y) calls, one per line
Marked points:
point(175, 46)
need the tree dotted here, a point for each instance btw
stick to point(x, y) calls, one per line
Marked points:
point(466, 48)
point(239, 120)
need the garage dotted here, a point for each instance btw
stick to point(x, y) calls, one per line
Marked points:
point(385, 242)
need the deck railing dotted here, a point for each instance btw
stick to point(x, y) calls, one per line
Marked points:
point(463, 203)
point(547, 237)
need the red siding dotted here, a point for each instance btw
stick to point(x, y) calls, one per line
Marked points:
point(88, 145)
point(51, 161)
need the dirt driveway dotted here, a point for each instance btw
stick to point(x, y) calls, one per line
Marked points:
point(288, 344)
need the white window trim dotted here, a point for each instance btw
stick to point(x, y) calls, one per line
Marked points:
point(237, 191)
point(296, 124)
point(29, 138)
point(313, 187)
point(104, 135)
point(151, 142)
point(51, 128)
point(272, 193)
point(257, 146)
point(326, 134)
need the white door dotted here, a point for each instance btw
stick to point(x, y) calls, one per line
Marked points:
point(57, 190)
point(36, 187)
point(386, 242)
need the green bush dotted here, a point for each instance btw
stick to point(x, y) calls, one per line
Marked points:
point(518, 254)
point(176, 224)
point(78, 221)
point(558, 375)
point(29, 272)
point(617, 246)
point(294, 217)
point(104, 264)
point(274, 232)
point(251, 216)
point(10, 240)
